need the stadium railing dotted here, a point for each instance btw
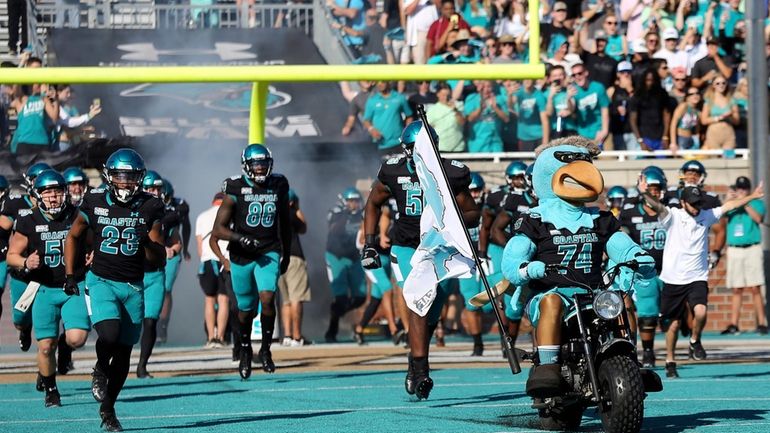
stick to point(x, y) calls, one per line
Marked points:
point(619, 155)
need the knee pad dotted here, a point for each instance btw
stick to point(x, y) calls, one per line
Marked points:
point(648, 323)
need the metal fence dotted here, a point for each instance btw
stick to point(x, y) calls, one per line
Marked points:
point(129, 15)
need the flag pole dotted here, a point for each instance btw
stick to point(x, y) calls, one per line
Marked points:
point(513, 362)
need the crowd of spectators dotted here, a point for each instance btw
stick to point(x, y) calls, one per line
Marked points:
point(630, 74)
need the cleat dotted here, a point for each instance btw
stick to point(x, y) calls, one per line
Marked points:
point(671, 370)
point(265, 358)
point(25, 339)
point(398, 337)
point(52, 398)
point(141, 373)
point(697, 352)
point(358, 337)
point(544, 381)
point(409, 382)
point(648, 359)
point(244, 365)
point(110, 421)
point(39, 383)
point(236, 353)
point(479, 351)
point(98, 384)
point(762, 329)
point(731, 330)
point(423, 388)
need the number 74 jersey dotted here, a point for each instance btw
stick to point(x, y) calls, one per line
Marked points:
point(118, 230)
point(256, 213)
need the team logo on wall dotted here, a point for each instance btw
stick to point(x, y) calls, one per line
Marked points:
point(226, 51)
point(229, 97)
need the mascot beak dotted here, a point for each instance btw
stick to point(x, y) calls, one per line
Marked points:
point(578, 181)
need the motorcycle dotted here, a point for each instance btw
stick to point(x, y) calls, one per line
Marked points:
point(599, 364)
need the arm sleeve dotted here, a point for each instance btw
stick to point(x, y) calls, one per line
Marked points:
point(519, 250)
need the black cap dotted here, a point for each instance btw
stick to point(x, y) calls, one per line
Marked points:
point(743, 182)
point(692, 195)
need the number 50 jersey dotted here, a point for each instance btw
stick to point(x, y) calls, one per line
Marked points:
point(118, 229)
point(399, 176)
point(256, 213)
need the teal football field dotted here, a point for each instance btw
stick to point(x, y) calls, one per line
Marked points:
point(718, 397)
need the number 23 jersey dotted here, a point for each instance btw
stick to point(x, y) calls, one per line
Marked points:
point(256, 213)
point(118, 229)
point(399, 176)
point(581, 252)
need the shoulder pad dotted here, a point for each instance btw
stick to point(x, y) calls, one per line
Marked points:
point(534, 214)
point(14, 196)
point(234, 177)
point(96, 190)
point(519, 193)
point(457, 164)
point(25, 212)
point(628, 206)
point(711, 194)
point(673, 188)
point(496, 189)
point(394, 160)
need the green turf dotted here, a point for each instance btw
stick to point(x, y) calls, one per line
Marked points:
point(707, 398)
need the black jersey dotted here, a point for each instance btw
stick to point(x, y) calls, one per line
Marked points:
point(399, 176)
point(177, 212)
point(645, 230)
point(343, 231)
point(516, 204)
point(709, 200)
point(256, 213)
point(118, 230)
point(14, 207)
point(581, 252)
point(495, 198)
point(47, 237)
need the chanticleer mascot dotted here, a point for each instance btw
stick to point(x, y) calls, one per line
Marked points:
point(562, 230)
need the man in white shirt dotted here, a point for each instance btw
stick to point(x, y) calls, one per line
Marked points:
point(419, 15)
point(211, 277)
point(686, 265)
point(670, 52)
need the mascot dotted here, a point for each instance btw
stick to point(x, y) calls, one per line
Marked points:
point(561, 230)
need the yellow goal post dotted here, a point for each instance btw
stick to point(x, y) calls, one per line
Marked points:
point(262, 75)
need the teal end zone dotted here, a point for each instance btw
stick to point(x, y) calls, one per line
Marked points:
point(723, 398)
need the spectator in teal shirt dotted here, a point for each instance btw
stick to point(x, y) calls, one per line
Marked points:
point(591, 105)
point(384, 117)
point(528, 103)
point(349, 15)
point(744, 255)
point(486, 112)
point(559, 106)
point(461, 52)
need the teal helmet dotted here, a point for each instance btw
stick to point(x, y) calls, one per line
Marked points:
point(168, 191)
point(409, 136)
point(152, 180)
point(528, 177)
point(124, 171)
point(695, 166)
point(477, 186)
point(616, 196)
point(655, 176)
point(351, 193)
point(254, 157)
point(45, 180)
point(32, 172)
point(75, 176)
point(4, 186)
point(515, 168)
point(477, 182)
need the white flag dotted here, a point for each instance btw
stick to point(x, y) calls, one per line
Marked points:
point(444, 250)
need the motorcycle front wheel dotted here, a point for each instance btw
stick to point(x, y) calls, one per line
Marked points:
point(621, 383)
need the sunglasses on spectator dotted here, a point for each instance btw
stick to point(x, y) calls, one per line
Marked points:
point(653, 41)
point(680, 79)
point(720, 83)
point(579, 73)
point(693, 94)
point(509, 44)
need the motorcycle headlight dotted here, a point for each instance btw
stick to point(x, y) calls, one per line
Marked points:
point(608, 304)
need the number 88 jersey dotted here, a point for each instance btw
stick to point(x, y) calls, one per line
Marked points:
point(256, 213)
point(118, 229)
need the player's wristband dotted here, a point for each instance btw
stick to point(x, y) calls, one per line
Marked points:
point(370, 240)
